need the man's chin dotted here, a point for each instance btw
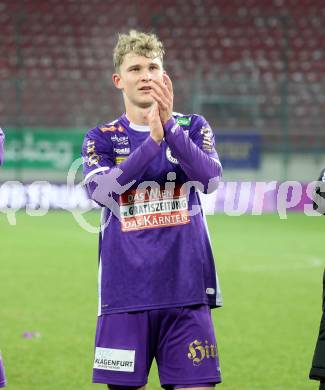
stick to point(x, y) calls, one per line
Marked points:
point(145, 103)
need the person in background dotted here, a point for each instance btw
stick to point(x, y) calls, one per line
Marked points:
point(2, 371)
point(317, 371)
point(2, 140)
point(319, 194)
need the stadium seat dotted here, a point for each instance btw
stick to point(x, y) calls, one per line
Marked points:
point(58, 56)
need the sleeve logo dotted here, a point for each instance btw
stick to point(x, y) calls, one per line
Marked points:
point(207, 141)
point(183, 121)
point(92, 156)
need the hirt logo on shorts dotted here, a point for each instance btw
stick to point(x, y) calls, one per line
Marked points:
point(198, 351)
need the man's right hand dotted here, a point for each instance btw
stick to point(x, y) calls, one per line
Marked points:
point(156, 128)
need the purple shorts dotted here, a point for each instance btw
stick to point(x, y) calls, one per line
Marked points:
point(182, 341)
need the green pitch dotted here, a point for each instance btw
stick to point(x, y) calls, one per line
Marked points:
point(271, 279)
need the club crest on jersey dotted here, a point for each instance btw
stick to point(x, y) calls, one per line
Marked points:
point(170, 157)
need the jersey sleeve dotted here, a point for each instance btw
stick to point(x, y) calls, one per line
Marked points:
point(195, 152)
point(98, 159)
point(103, 178)
point(97, 153)
point(203, 136)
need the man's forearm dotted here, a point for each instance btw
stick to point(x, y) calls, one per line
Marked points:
point(137, 162)
point(123, 175)
point(197, 165)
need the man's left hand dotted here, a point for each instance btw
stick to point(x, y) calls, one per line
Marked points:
point(162, 92)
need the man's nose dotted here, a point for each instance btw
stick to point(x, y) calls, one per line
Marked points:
point(146, 75)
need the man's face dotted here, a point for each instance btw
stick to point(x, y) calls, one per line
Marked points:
point(136, 73)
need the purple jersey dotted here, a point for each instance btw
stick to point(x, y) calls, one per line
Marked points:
point(156, 252)
point(2, 139)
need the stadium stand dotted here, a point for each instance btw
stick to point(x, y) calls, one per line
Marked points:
point(268, 54)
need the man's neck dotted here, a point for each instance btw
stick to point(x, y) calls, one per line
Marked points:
point(137, 115)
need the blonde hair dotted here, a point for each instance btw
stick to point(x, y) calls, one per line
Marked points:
point(147, 45)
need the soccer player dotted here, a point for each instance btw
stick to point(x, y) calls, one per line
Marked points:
point(2, 372)
point(2, 139)
point(317, 371)
point(319, 202)
point(157, 279)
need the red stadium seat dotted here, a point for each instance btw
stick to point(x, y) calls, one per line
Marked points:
point(61, 55)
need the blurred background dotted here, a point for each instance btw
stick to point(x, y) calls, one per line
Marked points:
point(255, 69)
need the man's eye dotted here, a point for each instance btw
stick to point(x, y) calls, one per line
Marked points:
point(134, 69)
point(153, 67)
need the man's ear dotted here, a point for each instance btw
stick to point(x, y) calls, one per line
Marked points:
point(116, 78)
